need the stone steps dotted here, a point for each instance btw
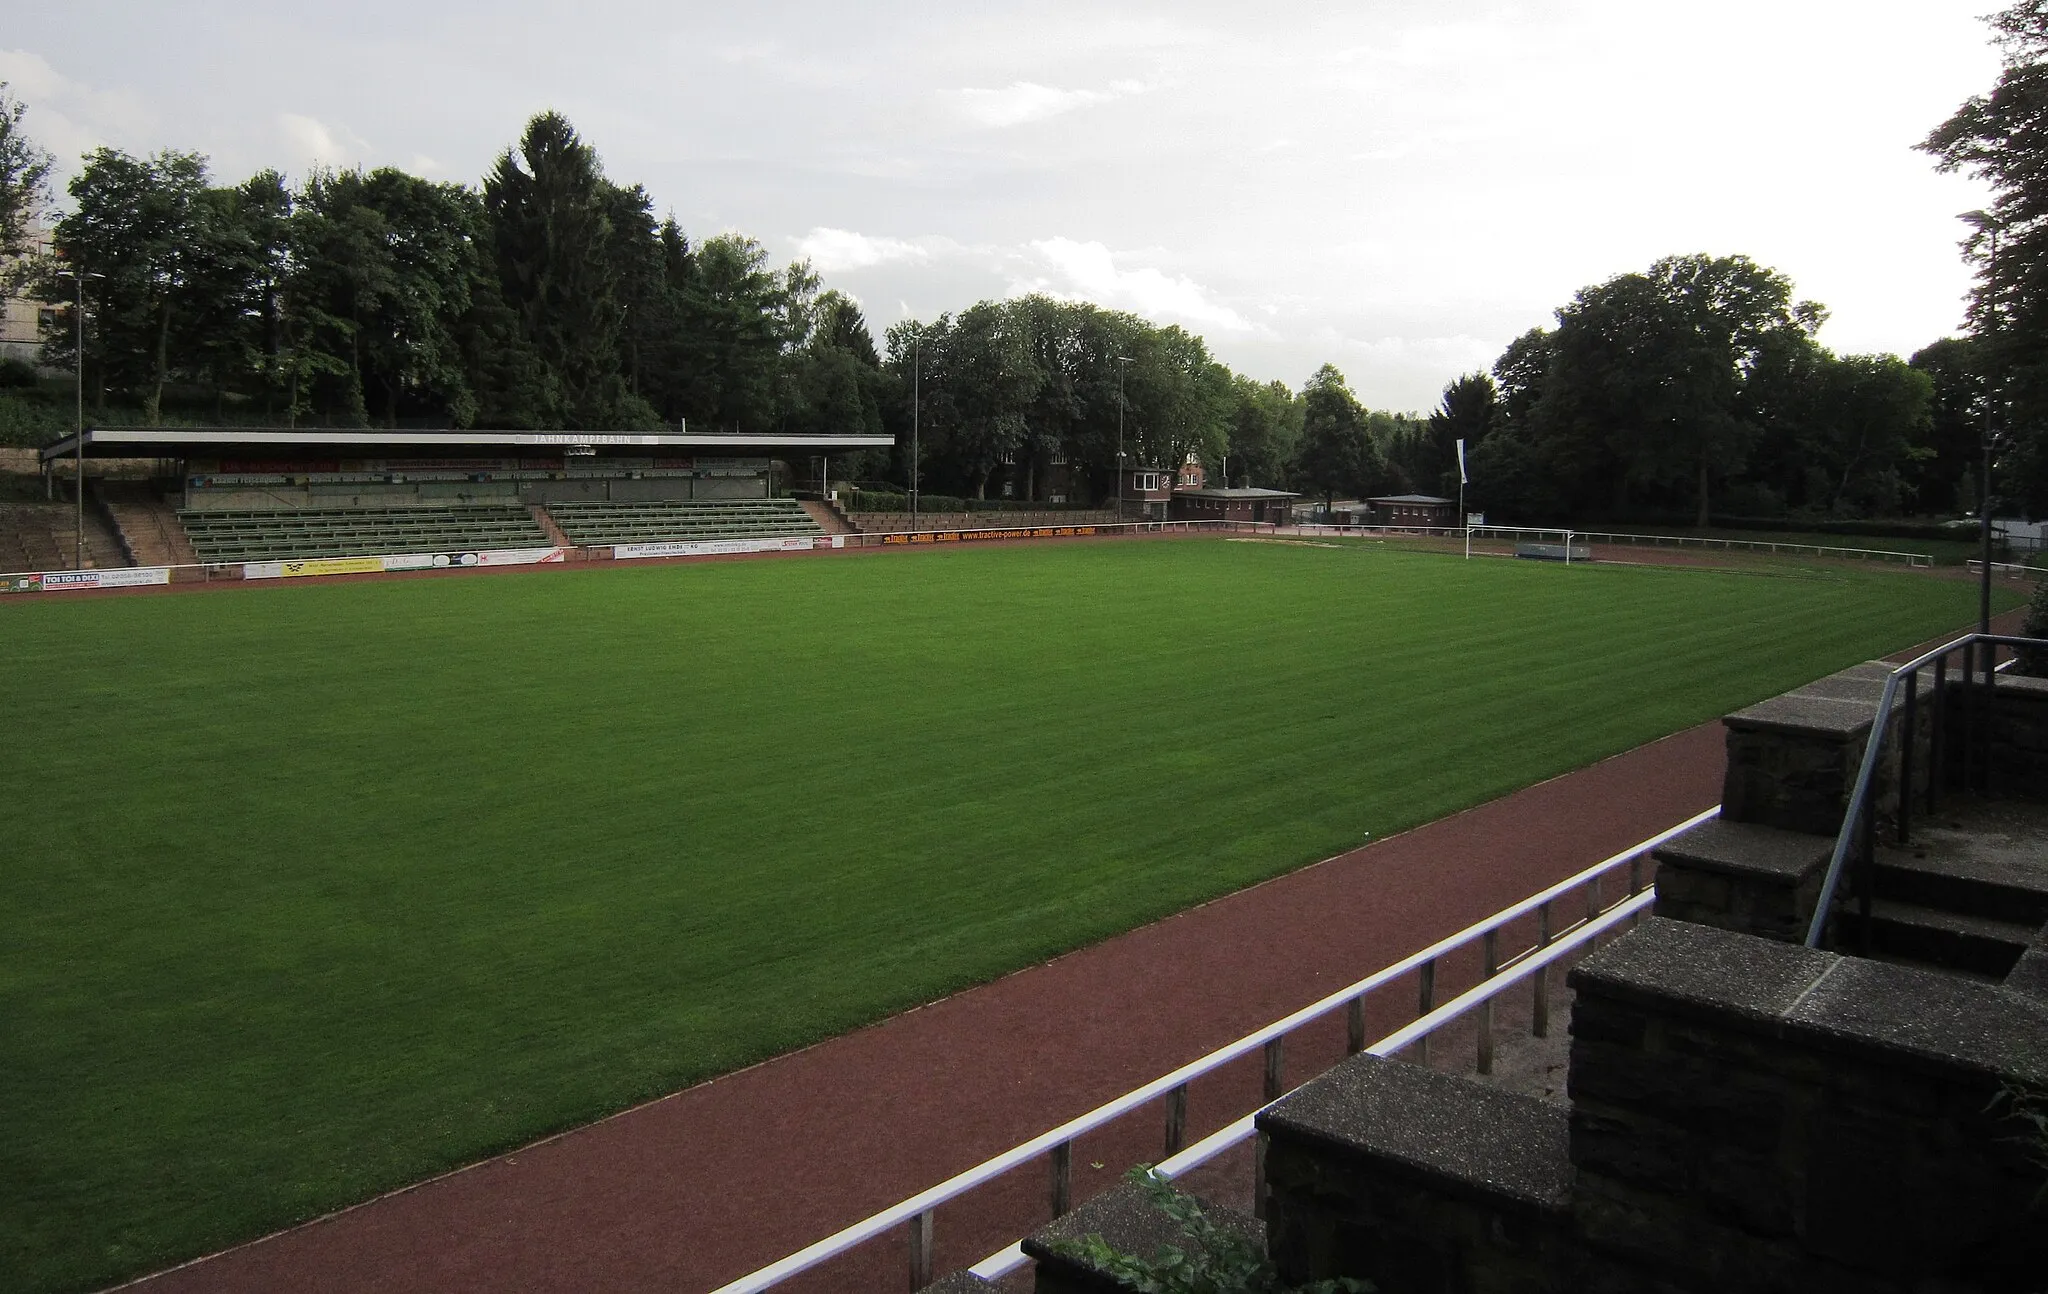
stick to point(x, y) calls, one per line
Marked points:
point(1934, 937)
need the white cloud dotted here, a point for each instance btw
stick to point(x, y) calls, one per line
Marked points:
point(1024, 101)
point(1088, 271)
point(315, 143)
point(70, 118)
point(832, 251)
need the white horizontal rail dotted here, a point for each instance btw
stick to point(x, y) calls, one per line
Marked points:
point(1625, 539)
point(876, 1224)
point(1004, 1261)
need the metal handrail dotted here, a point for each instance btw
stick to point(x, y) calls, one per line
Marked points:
point(1873, 748)
point(919, 1206)
point(1004, 1261)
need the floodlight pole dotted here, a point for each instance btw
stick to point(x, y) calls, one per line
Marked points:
point(916, 372)
point(79, 277)
point(1122, 362)
point(78, 433)
point(1464, 517)
point(1984, 494)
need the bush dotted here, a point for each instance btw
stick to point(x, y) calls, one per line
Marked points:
point(1215, 1261)
point(2033, 660)
point(16, 374)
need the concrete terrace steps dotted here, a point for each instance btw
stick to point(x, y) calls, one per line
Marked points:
point(147, 527)
point(1984, 857)
point(596, 524)
point(1917, 934)
point(40, 536)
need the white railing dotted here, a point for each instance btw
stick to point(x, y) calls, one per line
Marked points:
point(2009, 570)
point(1552, 943)
point(964, 534)
point(1623, 539)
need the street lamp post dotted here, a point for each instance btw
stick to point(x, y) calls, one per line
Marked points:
point(916, 375)
point(1984, 478)
point(79, 277)
point(1122, 362)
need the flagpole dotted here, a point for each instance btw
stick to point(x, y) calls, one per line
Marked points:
point(1464, 517)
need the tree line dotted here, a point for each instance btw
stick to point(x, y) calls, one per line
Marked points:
point(550, 296)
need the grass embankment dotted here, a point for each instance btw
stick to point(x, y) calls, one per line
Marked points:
point(312, 891)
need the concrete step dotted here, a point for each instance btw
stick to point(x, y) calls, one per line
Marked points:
point(1745, 876)
point(1927, 936)
point(1978, 857)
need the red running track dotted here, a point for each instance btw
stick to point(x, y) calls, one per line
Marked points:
point(695, 1189)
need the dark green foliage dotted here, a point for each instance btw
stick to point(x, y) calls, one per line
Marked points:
point(2001, 139)
point(1470, 411)
point(1213, 1260)
point(1021, 389)
point(2034, 660)
point(17, 373)
point(1698, 384)
point(1337, 453)
point(24, 176)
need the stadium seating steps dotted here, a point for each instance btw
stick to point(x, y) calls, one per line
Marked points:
point(343, 532)
point(591, 524)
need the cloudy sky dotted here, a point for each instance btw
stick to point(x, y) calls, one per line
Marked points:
point(1396, 186)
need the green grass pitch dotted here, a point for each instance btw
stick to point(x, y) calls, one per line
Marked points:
point(312, 891)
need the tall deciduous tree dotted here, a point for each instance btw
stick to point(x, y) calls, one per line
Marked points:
point(1647, 386)
point(134, 223)
point(24, 176)
point(2002, 139)
point(1337, 455)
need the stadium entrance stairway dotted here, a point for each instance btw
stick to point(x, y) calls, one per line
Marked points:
point(41, 536)
point(147, 527)
point(830, 517)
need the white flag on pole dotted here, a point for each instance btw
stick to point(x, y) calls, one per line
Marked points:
point(1461, 462)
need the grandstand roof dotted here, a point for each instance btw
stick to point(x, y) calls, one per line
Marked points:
point(274, 442)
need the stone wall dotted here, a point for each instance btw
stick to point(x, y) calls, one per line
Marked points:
point(1750, 1115)
point(2017, 739)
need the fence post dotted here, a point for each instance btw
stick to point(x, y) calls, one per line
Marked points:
point(1354, 1039)
point(1539, 1017)
point(1259, 1177)
point(1937, 725)
point(920, 1251)
point(1909, 729)
point(1491, 943)
point(1176, 1120)
point(1276, 1062)
point(1594, 905)
point(1426, 1005)
point(1062, 1178)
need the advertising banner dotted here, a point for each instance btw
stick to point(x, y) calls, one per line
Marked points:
point(711, 547)
point(312, 566)
point(400, 562)
point(969, 536)
point(119, 577)
point(475, 557)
